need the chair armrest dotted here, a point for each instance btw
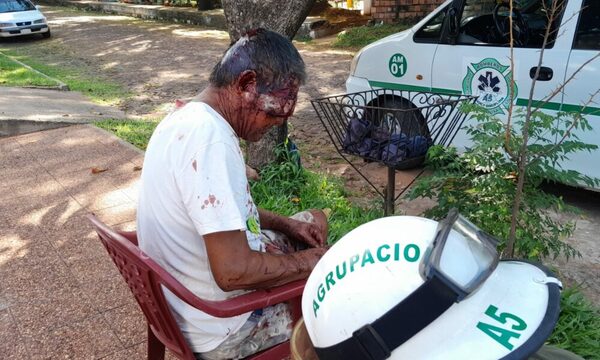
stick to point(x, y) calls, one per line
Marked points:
point(241, 304)
point(130, 235)
point(238, 305)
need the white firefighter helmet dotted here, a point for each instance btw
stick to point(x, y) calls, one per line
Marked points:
point(407, 287)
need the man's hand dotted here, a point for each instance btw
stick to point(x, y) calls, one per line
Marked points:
point(308, 233)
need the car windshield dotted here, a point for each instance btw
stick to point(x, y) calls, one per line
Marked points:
point(15, 5)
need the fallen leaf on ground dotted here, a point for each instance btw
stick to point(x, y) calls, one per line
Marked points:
point(97, 170)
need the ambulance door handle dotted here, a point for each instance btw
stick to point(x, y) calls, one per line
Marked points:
point(546, 73)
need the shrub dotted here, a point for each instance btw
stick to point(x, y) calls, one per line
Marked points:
point(481, 182)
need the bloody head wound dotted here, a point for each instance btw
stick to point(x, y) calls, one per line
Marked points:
point(281, 102)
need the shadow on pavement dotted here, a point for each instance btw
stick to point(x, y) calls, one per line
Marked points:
point(18, 127)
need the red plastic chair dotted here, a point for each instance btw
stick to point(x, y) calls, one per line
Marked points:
point(145, 277)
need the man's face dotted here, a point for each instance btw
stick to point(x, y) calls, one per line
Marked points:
point(271, 109)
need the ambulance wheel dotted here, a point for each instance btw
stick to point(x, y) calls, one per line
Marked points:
point(398, 115)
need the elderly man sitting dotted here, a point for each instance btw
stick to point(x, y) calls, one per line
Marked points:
point(196, 216)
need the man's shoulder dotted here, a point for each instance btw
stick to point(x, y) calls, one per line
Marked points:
point(197, 122)
point(206, 119)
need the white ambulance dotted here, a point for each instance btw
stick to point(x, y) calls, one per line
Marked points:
point(461, 48)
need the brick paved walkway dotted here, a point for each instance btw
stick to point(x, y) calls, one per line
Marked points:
point(60, 294)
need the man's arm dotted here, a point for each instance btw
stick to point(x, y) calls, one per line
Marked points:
point(270, 220)
point(235, 266)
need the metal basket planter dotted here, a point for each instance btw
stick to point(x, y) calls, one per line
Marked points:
point(392, 127)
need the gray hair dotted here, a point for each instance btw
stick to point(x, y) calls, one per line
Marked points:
point(272, 56)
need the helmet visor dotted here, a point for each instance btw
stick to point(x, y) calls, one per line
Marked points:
point(462, 255)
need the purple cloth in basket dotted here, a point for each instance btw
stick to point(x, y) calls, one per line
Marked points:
point(378, 144)
point(402, 147)
point(357, 140)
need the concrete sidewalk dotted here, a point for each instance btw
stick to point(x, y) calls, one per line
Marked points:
point(60, 294)
point(51, 106)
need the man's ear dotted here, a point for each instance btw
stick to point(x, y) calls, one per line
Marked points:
point(246, 82)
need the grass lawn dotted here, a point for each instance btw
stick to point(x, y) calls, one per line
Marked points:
point(97, 89)
point(286, 188)
point(578, 328)
point(14, 74)
point(136, 132)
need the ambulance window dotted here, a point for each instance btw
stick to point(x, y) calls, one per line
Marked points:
point(588, 29)
point(484, 22)
point(432, 30)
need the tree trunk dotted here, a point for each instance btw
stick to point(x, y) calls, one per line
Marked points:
point(284, 17)
point(261, 153)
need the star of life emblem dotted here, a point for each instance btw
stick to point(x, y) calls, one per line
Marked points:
point(490, 82)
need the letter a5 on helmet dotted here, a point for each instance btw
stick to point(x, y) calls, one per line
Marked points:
point(406, 287)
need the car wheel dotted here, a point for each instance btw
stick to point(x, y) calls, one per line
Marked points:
point(47, 34)
point(409, 121)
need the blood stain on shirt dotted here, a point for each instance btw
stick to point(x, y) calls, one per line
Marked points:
point(210, 201)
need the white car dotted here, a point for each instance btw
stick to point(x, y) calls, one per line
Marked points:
point(461, 48)
point(21, 17)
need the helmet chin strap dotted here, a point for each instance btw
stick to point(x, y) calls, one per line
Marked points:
point(377, 340)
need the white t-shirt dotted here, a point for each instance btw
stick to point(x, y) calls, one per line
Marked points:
point(194, 183)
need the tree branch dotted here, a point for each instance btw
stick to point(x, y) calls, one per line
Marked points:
point(560, 88)
point(512, 86)
point(551, 18)
point(551, 96)
point(568, 131)
point(522, 161)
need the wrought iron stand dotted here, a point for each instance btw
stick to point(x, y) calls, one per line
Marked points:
point(391, 127)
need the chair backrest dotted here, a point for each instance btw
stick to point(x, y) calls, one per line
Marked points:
point(145, 277)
